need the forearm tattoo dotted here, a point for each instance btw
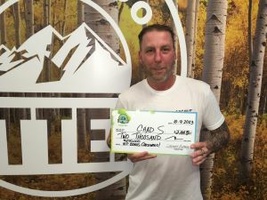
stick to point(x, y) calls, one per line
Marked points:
point(218, 138)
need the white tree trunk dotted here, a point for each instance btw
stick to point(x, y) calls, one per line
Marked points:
point(212, 72)
point(190, 35)
point(254, 92)
point(215, 44)
point(101, 26)
point(29, 17)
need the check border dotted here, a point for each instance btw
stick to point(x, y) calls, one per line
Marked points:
point(157, 132)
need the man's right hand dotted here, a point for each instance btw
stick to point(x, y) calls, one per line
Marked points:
point(136, 157)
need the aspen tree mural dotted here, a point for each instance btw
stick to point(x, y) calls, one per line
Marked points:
point(104, 29)
point(190, 35)
point(254, 92)
point(212, 71)
point(55, 104)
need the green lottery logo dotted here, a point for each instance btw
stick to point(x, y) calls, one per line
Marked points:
point(123, 118)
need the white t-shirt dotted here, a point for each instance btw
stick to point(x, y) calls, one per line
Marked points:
point(170, 177)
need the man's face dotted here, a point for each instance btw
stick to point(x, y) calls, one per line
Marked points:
point(157, 55)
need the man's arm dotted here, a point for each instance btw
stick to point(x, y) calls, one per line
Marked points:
point(218, 138)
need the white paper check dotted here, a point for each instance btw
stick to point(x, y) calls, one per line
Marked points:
point(156, 132)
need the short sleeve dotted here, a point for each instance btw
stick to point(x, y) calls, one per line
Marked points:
point(212, 117)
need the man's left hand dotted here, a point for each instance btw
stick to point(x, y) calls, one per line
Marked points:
point(200, 153)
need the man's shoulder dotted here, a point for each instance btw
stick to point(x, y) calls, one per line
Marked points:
point(194, 83)
point(134, 89)
point(137, 86)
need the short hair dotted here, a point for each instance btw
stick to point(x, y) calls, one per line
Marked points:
point(156, 27)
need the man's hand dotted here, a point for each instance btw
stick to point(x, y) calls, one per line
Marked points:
point(217, 139)
point(136, 157)
point(200, 153)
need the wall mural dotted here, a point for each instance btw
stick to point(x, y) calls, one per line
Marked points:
point(90, 75)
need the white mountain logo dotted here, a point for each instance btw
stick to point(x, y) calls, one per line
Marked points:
point(84, 63)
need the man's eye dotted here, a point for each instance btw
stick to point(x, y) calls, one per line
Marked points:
point(165, 50)
point(149, 51)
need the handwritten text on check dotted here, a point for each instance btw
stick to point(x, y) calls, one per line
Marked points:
point(155, 132)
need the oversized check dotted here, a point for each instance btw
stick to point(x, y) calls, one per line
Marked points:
point(155, 132)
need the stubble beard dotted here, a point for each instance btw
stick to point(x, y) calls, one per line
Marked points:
point(159, 78)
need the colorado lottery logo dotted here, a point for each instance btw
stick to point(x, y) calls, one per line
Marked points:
point(88, 67)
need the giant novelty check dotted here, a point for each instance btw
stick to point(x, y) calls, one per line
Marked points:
point(155, 132)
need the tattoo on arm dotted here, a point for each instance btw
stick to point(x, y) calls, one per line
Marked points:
point(218, 138)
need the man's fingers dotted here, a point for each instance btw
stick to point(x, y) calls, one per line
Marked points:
point(198, 160)
point(203, 151)
point(200, 148)
point(200, 153)
point(136, 157)
point(198, 145)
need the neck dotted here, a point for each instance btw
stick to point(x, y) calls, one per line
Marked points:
point(161, 86)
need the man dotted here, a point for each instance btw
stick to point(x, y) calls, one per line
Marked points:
point(164, 177)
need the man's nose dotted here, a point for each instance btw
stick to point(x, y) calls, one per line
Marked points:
point(157, 56)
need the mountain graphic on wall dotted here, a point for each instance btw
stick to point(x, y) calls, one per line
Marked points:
point(83, 63)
